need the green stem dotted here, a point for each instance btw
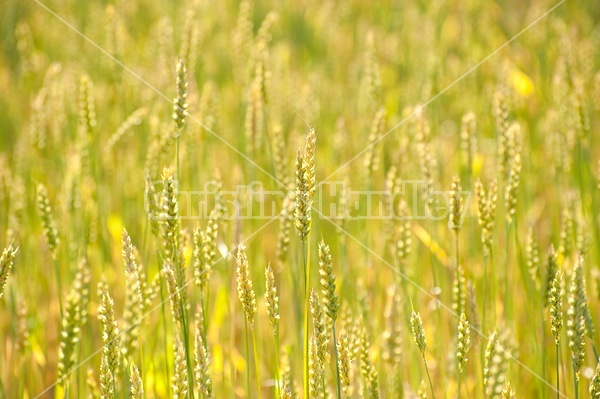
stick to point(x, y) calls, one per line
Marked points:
point(575, 384)
point(494, 289)
point(164, 319)
point(177, 156)
point(59, 286)
point(596, 356)
point(506, 274)
point(428, 376)
point(435, 282)
point(557, 374)
point(542, 387)
point(306, 314)
point(277, 373)
point(484, 304)
point(257, 371)
point(114, 381)
point(439, 349)
point(459, 375)
point(247, 357)
point(457, 258)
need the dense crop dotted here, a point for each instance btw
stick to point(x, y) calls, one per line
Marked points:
point(299, 199)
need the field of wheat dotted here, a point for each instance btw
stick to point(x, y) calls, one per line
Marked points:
point(299, 199)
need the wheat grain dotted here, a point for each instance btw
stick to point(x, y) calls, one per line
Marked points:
point(556, 306)
point(510, 193)
point(468, 141)
point(595, 384)
point(111, 351)
point(320, 330)
point(463, 342)
point(94, 392)
point(137, 388)
point(533, 259)
point(6, 263)
point(179, 381)
point(328, 294)
point(285, 226)
point(180, 105)
point(69, 337)
point(459, 291)
point(456, 205)
point(202, 369)
point(507, 392)
point(305, 185)
point(344, 362)
point(486, 212)
point(107, 379)
point(272, 299)
point(174, 294)
point(48, 223)
point(496, 365)
point(244, 285)
point(133, 300)
point(416, 326)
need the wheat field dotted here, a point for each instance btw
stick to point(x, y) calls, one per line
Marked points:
point(299, 199)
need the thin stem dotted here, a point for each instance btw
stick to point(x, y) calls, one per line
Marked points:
point(457, 258)
point(247, 356)
point(575, 384)
point(277, 373)
point(435, 282)
point(506, 274)
point(457, 277)
point(494, 289)
point(305, 252)
point(596, 356)
point(177, 155)
point(542, 387)
point(557, 374)
point(428, 376)
point(485, 275)
point(164, 319)
point(114, 381)
point(439, 349)
point(59, 286)
point(297, 300)
point(257, 371)
point(232, 329)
